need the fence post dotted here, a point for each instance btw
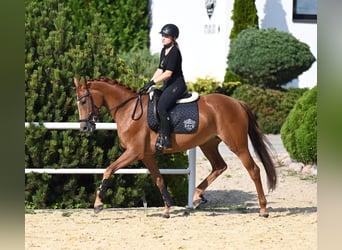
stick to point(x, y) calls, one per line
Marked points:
point(192, 176)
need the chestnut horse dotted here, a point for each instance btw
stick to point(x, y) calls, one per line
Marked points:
point(221, 118)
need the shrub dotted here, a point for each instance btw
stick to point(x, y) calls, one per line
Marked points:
point(268, 58)
point(299, 132)
point(141, 65)
point(271, 107)
point(244, 16)
point(209, 85)
point(204, 85)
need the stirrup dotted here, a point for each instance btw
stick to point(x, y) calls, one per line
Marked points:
point(167, 142)
point(159, 145)
point(162, 143)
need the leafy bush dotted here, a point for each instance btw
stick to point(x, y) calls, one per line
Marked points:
point(299, 132)
point(141, 64)
point(209, 85)
point(204, 85)
point(271, 107)
point(268, 58)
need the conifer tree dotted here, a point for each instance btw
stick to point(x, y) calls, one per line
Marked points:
point(244, 16)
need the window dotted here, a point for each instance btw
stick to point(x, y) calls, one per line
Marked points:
point(304, 11)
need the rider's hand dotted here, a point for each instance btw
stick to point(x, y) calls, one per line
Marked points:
point(147, 86)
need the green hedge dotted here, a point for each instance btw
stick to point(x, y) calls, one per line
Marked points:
point(299, 132)
point(271, 107)
point(209, 85)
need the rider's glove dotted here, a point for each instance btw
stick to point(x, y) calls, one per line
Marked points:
point(147, 86)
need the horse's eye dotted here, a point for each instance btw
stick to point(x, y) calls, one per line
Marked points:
point(83, 102)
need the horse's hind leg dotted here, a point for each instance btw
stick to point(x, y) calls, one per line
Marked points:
point(210, 150)
point(254, 172)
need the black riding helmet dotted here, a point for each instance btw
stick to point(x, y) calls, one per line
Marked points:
point(170, 30)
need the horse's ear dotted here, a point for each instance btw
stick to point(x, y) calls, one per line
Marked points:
point(76, 82)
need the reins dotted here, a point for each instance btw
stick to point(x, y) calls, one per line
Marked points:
point(139, 101)
point(92, 116)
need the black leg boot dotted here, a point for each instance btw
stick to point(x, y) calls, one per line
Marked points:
point(167, 134)
point(164, 138)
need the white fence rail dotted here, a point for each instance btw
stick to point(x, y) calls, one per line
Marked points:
point(190, 171)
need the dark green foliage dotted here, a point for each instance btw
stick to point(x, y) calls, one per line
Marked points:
point(271, 107)
point(299, 132)
point(204, 86)
point(209, 85)
point(83, 39)
point(141, 64)
point(231, 77)
point(268, 58)
point(244, 16)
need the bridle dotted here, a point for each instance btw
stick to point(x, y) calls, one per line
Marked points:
point(92, 116)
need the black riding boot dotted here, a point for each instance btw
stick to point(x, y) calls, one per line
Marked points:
point(164, 138)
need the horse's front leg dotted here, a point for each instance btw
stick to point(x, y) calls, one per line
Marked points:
point(124, 160)
point(151, 164)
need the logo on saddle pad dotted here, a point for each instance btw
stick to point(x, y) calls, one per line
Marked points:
point(189, 124)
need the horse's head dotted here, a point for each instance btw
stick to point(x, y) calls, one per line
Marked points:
point(87, 107)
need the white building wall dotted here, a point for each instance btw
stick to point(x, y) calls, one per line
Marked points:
point(204, 41)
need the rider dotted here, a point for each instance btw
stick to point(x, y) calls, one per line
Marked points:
point(170, 72)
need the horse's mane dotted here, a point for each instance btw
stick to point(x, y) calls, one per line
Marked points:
point(111, 82)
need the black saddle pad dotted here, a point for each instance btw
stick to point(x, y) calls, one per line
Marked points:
point(184, 118)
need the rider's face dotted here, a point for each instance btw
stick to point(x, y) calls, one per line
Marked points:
point(166, 40)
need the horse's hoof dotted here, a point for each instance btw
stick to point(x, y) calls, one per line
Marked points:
point(166, 216)
point(264, 215)
point(199, 202)
point(98, 209)
point(186, 212)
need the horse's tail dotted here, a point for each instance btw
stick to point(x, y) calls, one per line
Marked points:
point(261, 146)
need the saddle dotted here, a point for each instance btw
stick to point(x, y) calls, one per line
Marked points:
point(183, 116)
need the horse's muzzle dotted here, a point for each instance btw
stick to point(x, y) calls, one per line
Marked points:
point(87, 126)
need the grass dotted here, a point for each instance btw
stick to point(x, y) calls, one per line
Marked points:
point(66, 214)
point(29, 211)
point(308, 177)
point(238, 207)
point(302, 176)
